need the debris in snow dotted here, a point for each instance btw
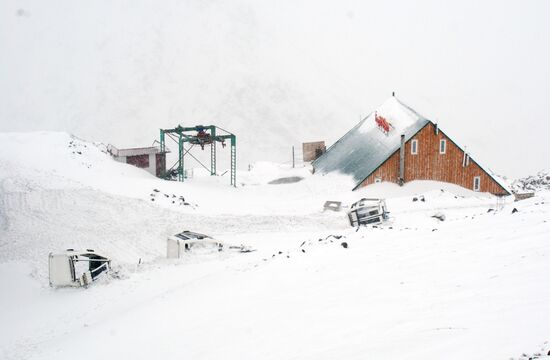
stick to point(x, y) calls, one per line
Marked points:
point(241, 248)
point(179, 200)
point(490, 210)
point(514, 210)
point(303, 251)
point(439, 216)
point(332, 205)
point(421, 198)
point(344, 245)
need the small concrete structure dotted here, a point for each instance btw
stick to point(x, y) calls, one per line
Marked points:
point(147, 158)
point(522, 196)
point(312, 150)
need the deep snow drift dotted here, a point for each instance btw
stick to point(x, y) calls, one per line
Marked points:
point(473, 286)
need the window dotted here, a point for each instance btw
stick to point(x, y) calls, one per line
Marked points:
point(477, 183)
point(465, 160)
point(442, 146)
point(414, 147)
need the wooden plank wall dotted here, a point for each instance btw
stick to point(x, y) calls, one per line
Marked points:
point(313, 150)
point(429, 164)
point(160, 168)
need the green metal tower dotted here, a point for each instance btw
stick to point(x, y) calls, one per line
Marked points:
point(202, 136)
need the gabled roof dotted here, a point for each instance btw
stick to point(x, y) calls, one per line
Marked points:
point(365, 147)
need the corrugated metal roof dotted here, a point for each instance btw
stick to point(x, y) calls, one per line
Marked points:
point(365, 147)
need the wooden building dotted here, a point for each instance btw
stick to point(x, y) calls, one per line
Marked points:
point(398, 145)
point(313, 150)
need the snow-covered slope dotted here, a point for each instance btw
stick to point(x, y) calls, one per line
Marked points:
point(472, 286)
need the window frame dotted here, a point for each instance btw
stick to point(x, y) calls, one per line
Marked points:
point(444, 143)
point(478, 188)
point(414, 147)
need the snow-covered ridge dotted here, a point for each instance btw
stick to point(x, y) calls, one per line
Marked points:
point(538, 182)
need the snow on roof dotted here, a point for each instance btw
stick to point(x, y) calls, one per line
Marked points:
point(365, 147)
point(132, 151)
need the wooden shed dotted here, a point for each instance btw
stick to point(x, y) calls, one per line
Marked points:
point(312, 150)
point(398, 145)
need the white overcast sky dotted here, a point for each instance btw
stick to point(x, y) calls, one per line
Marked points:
point(280, 72)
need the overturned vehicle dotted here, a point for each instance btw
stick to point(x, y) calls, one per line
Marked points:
point(186, 241)
point(368, 211)
point(192, 242)
point(76, 268)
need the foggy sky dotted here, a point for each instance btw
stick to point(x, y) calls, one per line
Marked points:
point(280, 72)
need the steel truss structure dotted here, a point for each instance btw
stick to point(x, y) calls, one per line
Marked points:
point(202, 136)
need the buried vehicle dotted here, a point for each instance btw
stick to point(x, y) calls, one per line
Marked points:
point(76, 268)
point(187, 241)
point(368, 211)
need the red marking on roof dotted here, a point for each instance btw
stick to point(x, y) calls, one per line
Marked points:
point(382, 123)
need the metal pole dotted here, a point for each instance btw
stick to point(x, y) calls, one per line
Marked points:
point(233, 161)
point(162, 144)
point(293, 162)
point(402, 161)
point(180, 163)
point(213, 151)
